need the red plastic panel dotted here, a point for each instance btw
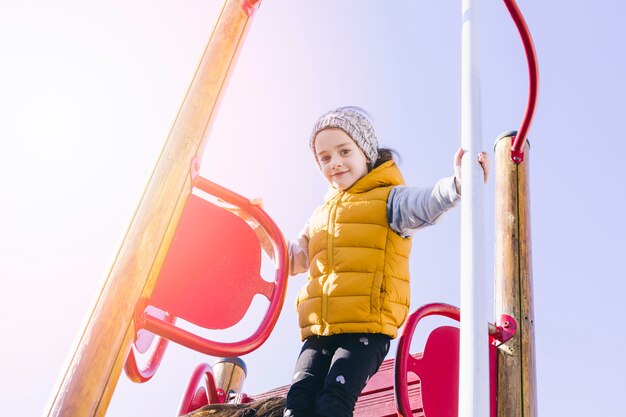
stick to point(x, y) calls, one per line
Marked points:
point(437, 369)
point(439, 372)
point(210, 276)
point(211, 271)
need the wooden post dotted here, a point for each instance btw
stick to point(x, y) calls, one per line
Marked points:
point(517, 396)
point(87, 384)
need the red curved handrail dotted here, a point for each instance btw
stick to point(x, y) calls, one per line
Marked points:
point(202, 377)
point(213, 348)
point(403, 355)
point(183, 337)
point(517, 148)
point(261, 334)
point(143, 374)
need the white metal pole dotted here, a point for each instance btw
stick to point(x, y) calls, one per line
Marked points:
point(474, 365)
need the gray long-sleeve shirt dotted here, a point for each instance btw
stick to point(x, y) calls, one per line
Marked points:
point(408, 209)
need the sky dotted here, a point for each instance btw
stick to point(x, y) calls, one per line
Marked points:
point(89, 90)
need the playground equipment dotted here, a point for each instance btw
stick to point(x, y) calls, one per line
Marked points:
point(156, 268)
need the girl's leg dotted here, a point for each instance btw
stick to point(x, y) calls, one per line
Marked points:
point(308, 378)
point(356, 360)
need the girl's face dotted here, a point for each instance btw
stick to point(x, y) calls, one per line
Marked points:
point(342, 161)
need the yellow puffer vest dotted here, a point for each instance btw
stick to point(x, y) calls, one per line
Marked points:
point(359, 268)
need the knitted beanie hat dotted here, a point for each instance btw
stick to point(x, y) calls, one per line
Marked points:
point(355, 122)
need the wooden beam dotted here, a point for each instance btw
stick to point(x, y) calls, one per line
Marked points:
point(517, 395)
point(92, 372)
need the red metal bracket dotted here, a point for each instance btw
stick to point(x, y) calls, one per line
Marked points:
point(506, 328)
point(221, 396)
point(517, 156)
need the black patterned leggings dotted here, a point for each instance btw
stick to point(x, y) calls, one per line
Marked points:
point(331, 372)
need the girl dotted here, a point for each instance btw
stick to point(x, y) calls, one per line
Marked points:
point(356, 248)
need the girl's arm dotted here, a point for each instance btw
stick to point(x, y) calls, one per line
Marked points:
point(299, 252)
point(411, 208)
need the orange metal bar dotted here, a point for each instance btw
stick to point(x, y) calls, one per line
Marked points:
point(88, 382)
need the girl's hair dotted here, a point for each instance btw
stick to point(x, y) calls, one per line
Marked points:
point(270, 407)
point(384, 155)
